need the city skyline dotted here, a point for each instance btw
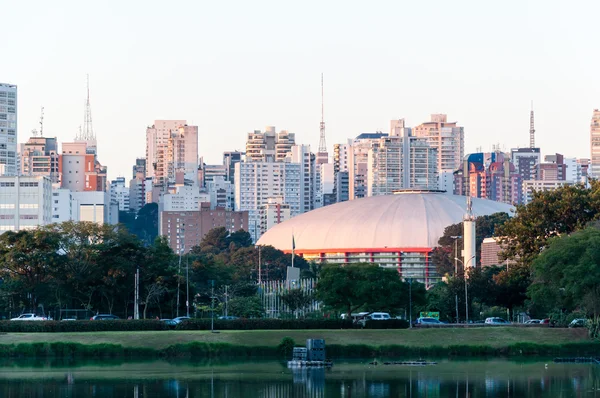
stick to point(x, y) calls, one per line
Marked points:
point(224, 86)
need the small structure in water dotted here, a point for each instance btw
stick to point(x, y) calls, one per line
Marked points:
point(313, 354)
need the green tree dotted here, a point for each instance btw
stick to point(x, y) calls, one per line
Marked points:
point(351, 287)
point(247, 307)
point(566, 275)
point(296, 300)
point(549, 214)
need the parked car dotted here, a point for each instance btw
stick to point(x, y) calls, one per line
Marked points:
point(496, 321)
point(533, 322)
point(104, 317)
point(379, 316)
point(70, 318)
point(428, 321)
point(228, 317)
point(180, 319)
point(578, 323)
point(355, 317)
point(169, 322)
point(29, 317)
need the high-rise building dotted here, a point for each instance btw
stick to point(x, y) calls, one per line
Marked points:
point(229, 161)
point(342, 187)
point(186, 229)
point(358, 163)
point(269, 146)
point(39, 157)
point(529, 186)
point(401, 161)
point(595, 144)
point(79, 170)
point(157, 149)
point(8, 129)
point(137, 191)
point(527, 163)
point(301, 154)
point(274, 212)
point(119, 193)
point(256, 182)
point(553, 168)
point(25, 202)
point(182, 153)
point(447, 138)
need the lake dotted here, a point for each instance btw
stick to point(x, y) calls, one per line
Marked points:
point(493, 378)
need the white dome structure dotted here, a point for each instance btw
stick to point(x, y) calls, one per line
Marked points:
point(397, 230)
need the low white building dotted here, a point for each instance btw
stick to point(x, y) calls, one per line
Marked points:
point(25, 202)
point(529, 186)
point(64, 207)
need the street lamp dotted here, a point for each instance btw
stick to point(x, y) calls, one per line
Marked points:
point(456, 238)
point(466, 295)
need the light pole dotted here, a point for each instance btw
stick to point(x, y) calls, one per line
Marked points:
point(187, 286)
point(466, 294)
point(409, 303)
point(180, 235)
point(456, 238)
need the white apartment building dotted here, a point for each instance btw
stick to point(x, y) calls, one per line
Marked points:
point(274, 212)
point(529, 186)
point(222, 193)
point(183, 198)
point(25, 202)
point(8, 129)
point(447, 138)
point(64, 207)
point(93, 206)
point(39, 157)
point(269, 146)
point(119, 193)
point(401, 161)
point(595, 144)
point(308, 184)
point(358, 163)
point(256, 182)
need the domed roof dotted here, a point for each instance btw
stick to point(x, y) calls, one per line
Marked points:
point(412, 219)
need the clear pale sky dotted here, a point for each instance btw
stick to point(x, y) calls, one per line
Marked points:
point(234, 66)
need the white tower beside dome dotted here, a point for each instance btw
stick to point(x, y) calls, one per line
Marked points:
point(469, 248)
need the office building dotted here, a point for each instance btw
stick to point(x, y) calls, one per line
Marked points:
point(25, 202)
point(64, 207)
point(229, 161)
point(527, 163)
point(137, 191)
point(8, 129)
point(93, 206)
point(491, 249)
point(185, 229)
point(269, 146)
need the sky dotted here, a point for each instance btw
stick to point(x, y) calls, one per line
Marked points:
point(231, 67)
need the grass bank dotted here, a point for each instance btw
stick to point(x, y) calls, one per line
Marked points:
point(485, 341)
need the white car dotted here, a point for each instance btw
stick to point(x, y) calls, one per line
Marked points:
point(379, 316)
point(496, 321)
point(29, 317)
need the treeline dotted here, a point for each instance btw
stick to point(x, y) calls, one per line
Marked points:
point(86, 266)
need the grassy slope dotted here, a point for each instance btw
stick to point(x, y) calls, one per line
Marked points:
point(488, 336)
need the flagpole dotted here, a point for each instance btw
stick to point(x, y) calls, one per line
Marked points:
point(293, 248)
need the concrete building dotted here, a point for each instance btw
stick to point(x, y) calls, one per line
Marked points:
point(358, 163)
point(342, 186)
point(269, 146)
point(25, 202)
point(221, 192)
point(64, 207)
point(327, 181)
point(39, 157)
point(489, 175)
point(401, 161)
point(274, 212)
point(80, 171)
point(8, 129)
point(256, 182)
point(447, 138)
point(185, 229)
point(309, 180)
point(93, 206)
point(553, 168)
point(171, 146)
point(229, 161)
point(490, 253)
point(595, 144)
point(183, 198)
point(527, 163)
point(119, 193)
point(529, 186)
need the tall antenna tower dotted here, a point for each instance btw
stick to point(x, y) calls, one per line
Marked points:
point(531, 129)
point(322, 144)
point(87, 132)
point(42, 122)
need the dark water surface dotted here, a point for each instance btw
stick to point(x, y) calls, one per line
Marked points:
point(494, 378)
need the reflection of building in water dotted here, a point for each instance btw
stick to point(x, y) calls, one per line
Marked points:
point(308, 382)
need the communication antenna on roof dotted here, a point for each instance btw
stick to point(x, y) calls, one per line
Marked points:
point(531, 129)
point(42, 122)
point(87, 133)
point(322, 143)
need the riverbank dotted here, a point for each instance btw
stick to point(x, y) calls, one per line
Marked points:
point(485, 341)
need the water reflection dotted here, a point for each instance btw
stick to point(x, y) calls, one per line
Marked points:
point(274, 380)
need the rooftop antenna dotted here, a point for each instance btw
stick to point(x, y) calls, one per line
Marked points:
point(42, 122)
point(87, 133)
point(531, 129)
point(322, 144)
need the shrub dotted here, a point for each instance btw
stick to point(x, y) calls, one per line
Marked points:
point(265, 324)
point(387, 324)
point(81, 326)
point(286, 346)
